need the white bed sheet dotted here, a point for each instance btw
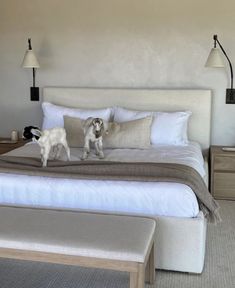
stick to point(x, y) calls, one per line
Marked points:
point(147, 198)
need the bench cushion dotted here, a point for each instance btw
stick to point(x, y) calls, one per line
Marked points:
point(74, 233)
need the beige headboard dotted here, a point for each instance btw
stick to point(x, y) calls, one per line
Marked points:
point(197, 101)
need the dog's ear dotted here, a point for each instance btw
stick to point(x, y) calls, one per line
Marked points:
point(86, 124)
point(36, 132)
point(26, 134)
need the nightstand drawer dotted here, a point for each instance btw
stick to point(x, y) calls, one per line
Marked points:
point(224, 163)
point(224, 185)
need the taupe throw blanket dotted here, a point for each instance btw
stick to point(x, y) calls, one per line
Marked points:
point(110, 170)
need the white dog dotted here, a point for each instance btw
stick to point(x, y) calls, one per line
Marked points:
point(94, 129)
point(48, 139)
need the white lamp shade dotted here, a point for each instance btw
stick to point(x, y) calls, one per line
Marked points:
point(214, 59)
point(30, 60)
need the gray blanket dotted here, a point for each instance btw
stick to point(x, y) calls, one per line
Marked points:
point(109, 170)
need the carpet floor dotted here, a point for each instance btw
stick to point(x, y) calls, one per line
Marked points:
point(219, 270)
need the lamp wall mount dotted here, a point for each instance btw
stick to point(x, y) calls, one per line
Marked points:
point(230, 92)
point(215, 60)
point(30, 61)
point(230, 96)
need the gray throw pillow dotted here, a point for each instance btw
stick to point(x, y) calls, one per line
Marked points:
point(74, 131)
point(131, 134)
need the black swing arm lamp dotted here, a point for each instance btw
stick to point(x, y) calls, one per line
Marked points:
point(30, 61)
point(215, 60)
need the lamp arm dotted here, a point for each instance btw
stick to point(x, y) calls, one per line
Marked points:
point(29, 43)
point(230, 64)
point(34, 77)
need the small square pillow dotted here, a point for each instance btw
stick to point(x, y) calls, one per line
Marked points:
point(131, 134)
point(74, 131)
point(53, 114)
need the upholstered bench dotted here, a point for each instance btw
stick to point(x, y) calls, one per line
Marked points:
point(89, 240)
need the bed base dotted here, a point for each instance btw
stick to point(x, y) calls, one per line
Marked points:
point(181, 243)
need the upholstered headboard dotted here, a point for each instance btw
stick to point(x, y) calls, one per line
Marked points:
point(197, 101)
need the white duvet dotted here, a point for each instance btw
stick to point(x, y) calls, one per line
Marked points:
point(147, 198)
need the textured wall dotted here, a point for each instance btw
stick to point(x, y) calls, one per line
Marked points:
point(114, 43)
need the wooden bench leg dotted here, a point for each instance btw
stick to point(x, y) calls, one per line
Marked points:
point(137, 278)
point(150, 268)
point(141, 276)
point(133, 279)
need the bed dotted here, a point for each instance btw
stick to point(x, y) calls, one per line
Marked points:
point(180, 235)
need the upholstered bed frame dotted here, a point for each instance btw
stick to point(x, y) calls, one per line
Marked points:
point(180, 242)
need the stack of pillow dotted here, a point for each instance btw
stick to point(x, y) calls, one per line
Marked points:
point(130, 128)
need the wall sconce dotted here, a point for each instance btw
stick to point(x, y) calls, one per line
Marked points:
point(30, 61)
point(214, 60)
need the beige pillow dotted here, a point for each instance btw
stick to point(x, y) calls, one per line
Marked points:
point(131, 134)
point(74, 131)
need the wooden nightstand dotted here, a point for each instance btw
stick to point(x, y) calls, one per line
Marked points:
point(222, 178)
point(6, 147)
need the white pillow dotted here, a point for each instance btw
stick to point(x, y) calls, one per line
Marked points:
point(124, 115)
point(53, 115)
point(168, 128)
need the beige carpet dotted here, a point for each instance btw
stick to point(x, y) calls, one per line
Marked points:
point(219, 271)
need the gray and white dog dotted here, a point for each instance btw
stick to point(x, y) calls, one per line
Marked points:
point(94, 129)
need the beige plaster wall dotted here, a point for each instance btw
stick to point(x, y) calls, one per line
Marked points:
point(114, 43)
